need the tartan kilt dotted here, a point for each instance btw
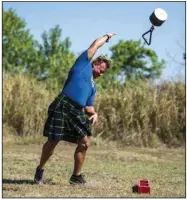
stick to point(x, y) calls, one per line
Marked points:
point(66, 121)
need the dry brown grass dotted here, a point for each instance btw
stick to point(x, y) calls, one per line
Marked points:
point(143, 115)
point(138, 114)
point(25, 103)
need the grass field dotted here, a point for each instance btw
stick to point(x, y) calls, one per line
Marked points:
point(112, 172)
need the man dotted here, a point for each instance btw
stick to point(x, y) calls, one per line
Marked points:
point(67, 114)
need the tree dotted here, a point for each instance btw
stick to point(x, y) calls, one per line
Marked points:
point(135, 61)
point(48, 62)
point(54, 58)
point(18, 44)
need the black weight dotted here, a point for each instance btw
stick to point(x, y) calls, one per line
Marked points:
point(155, 21)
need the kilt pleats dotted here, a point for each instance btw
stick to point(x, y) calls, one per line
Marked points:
point(66, 121)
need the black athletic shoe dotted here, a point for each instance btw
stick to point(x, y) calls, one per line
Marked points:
point(38, 176)
point(77, 180)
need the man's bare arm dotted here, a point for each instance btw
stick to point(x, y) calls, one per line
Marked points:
point(98, 43)
point(91, 112)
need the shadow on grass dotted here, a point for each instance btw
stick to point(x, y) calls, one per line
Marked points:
point(24, 181)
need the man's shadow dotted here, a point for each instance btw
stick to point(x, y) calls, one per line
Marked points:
point(23, 181)
point(26, 181)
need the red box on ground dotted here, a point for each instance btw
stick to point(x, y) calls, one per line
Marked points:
point(144, 186)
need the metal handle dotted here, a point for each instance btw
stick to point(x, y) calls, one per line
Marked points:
point(150, 37)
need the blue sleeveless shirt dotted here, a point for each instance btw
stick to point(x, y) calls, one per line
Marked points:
point(79, 85)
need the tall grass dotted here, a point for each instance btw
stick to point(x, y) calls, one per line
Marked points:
point(136, 114)
point(24, 105)
point(144, 115)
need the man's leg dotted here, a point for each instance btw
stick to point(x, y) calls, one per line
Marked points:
point(47, 152)
point(79, 157)
point(80, 154)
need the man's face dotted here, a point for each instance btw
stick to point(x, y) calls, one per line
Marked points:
point(99, 68)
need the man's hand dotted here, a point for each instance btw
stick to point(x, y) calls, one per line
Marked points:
point(93, 118)
point(111, 34)
point(92, 114)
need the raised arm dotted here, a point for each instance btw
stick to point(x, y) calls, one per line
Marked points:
point(98, 43)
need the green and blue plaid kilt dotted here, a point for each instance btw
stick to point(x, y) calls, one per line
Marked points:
point(66, 121)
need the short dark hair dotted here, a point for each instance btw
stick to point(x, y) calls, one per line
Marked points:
point(105, 59)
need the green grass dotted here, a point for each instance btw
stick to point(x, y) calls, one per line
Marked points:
point(112, 171)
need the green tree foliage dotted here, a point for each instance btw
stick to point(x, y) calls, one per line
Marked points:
point(54, 58)
point(48, 62)
point(135, 61)
point(18, 44)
